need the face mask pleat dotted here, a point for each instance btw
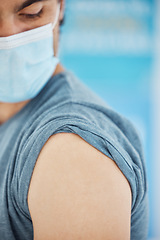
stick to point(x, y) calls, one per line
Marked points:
point(26, 37)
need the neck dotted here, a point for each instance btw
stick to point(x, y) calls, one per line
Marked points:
point(8, 110)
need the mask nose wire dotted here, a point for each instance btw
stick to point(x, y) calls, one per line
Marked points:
point(57, 16)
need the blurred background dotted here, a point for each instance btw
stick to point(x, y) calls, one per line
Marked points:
point(113, 47)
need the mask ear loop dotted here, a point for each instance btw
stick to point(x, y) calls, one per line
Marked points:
point(57, 17)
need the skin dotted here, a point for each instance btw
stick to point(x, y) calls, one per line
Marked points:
point(78, 193)
point(13, 22)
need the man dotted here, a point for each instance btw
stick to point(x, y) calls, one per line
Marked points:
point(71, 167)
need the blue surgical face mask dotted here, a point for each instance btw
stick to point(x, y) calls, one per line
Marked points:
point(27, 62)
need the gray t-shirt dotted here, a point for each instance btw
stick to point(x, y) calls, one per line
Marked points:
point(66, 104)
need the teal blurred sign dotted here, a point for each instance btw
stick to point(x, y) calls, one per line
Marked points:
point(109, 46)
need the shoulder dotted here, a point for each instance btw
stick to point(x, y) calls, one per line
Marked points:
point(77, 192)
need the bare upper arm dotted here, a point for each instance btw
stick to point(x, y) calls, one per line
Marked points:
point(78, 193)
